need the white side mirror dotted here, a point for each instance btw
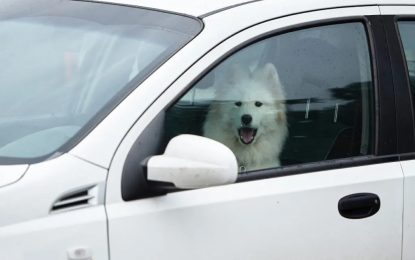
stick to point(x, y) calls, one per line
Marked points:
point(191, 162)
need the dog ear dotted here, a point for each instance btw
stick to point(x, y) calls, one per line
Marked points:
point(268, 74)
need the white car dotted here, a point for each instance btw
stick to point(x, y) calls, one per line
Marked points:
point(92, 93)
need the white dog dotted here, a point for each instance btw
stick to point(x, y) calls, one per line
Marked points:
point(248, 116)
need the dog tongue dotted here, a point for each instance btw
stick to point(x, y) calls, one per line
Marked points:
point(247, 135)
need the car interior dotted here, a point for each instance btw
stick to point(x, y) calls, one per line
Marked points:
point(326, 124)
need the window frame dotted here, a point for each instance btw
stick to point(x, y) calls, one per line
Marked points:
point(383, 149)
point(383, 111)
point(327, 164)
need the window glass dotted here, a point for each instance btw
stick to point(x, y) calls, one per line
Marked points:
point(407, 31)
point(299, 97)
point(63, 64)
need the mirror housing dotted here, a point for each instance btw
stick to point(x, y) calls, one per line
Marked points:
point(191, 162)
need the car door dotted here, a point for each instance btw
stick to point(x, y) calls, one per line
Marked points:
point(400, 24)
point(336, 192)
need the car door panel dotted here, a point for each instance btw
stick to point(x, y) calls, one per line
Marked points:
point(290, 217)
point(408, 251)
point(294, 217)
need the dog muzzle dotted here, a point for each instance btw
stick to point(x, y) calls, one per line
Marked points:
point(247, 134)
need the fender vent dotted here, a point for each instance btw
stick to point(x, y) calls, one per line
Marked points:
point(75, 200)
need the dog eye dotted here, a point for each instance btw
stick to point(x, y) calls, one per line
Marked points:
point(238, 104)
point(258, 104)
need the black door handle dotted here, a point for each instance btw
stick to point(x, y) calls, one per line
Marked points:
point(359, 205)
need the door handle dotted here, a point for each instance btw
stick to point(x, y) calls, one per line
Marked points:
point(81, 253)
point(359, 205)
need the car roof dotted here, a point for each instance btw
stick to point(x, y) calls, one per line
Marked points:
point(201, 8)
point(192, 8)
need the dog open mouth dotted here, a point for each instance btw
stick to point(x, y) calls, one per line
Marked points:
point(247, 134)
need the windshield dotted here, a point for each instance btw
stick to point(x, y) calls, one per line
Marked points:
point(62, 66)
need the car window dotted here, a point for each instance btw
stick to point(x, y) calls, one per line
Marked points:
point(407, 32)
point(299, 97)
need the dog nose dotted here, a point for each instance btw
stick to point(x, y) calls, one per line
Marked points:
point(246, 119)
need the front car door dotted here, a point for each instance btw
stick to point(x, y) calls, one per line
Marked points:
point(337, 143)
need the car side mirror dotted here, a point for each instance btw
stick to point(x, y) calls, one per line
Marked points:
point(191, 162)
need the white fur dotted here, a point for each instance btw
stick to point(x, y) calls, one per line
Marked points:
point(224, 116)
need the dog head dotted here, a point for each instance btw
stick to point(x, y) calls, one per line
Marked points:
point(252, 104)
